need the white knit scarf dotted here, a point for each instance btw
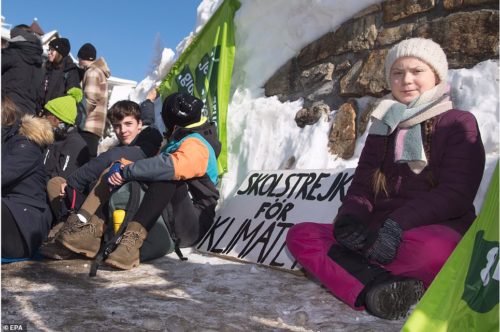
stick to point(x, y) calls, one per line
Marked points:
point(390, 115)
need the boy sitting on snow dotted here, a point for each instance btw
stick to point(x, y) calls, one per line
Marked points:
point(183, 175)
point(136, 142)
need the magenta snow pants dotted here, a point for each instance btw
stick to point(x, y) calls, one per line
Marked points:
point(422, 253)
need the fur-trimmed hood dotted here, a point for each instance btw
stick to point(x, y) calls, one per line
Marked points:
point(37, 130)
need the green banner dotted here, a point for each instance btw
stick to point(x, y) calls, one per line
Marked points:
point(464, 295)
point(204, 70)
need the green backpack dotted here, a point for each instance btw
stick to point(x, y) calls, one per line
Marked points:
point(161, 239)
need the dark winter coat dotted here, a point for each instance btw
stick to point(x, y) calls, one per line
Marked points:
point(22, 74)
point(24, 178)
point(57, 82)
point(145, 145)
point(148, 113)
point(456, 164)
point(64, 156)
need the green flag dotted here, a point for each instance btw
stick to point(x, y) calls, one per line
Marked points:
point(204, 70)
point(464, 295)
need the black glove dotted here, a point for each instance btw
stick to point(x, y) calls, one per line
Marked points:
point(350, 233)
point(386, 245)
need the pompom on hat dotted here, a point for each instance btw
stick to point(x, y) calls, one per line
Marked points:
point(181, 109)
point(425, 49)
point(64, 108)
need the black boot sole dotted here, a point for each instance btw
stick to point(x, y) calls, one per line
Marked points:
point(393, 299)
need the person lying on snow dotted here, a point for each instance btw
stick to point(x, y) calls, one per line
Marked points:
point(138, 140)
point(411, 198)
point(183, 174)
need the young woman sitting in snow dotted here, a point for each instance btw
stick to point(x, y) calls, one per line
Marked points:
point(411, 198)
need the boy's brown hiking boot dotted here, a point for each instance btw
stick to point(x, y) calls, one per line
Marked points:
point(51, 249)
point(126, 255)
point(393, 298)
point(83, 238)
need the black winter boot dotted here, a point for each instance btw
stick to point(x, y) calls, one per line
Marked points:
point(392, 298)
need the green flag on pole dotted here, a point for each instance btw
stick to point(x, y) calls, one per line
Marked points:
point(464, 295)
point(204, 70)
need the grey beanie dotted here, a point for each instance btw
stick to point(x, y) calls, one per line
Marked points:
point(424, 49)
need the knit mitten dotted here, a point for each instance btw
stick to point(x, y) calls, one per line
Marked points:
point(350, 233)
point(386, 245)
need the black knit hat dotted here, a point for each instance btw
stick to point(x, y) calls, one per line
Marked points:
point(61, 45)
point(87, 52)
point(181, 109)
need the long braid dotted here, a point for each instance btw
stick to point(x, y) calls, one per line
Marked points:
point(379, 179)
point(428, 126)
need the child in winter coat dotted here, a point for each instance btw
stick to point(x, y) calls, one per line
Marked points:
point(184, 175)
point(411, 198)
point(26, 216)
point(69, 151)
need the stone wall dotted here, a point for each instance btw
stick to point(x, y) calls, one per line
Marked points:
point(349, 62)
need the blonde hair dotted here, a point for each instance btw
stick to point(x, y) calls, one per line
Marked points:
point(10, 112)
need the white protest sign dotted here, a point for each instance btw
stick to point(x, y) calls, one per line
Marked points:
point(253, 225)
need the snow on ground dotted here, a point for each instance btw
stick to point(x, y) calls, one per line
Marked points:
point(208, 293)
point(203, 294)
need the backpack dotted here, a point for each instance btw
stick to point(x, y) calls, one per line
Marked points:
point(81, 115)
point(209, 132)
point(161, 239)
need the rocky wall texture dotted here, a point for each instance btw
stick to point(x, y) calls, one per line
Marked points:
point(349, 62)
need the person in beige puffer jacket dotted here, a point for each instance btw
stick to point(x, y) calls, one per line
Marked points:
point(95, 90)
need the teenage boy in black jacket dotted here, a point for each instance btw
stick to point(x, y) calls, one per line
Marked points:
point(136, 142)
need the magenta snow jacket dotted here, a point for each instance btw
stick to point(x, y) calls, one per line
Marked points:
point(457, 165)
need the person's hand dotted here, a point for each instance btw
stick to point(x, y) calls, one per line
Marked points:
point(62, 191)
point(116, 179)
point(114, 176)
point(350, 233)
point(386, 245)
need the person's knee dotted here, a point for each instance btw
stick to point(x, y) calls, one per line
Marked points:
point(434, 252)
point(441, 250)
point(54, 187)
point(298, 235)
point(296, 232)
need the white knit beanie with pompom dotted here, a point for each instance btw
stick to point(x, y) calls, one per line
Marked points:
point(424, 49)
